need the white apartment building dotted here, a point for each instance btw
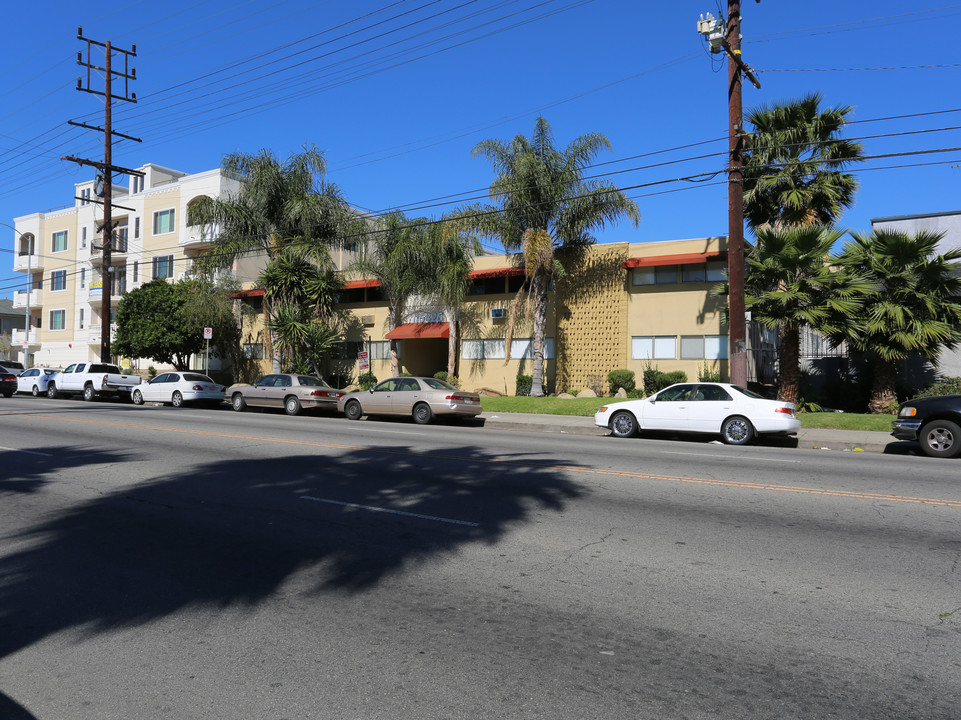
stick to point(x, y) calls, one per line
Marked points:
point(60, 254)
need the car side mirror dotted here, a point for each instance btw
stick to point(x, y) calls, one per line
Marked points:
point(370, 390)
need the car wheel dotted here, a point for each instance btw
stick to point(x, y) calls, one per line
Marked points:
point(353, 411)
point(623, 424)
point(737, 430)
point(88, 394)
point(422, 413)
point(51, 391)
point(35, 391)
point(137, 397)
point(177, 399)
point(292, 406)
point(8, 394)
point(941, 439)
point(237, 402)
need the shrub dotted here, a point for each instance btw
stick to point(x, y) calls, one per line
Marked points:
point(366, 380)
point(449, 379)
point(706, 374)
point(655, 380)
point(524, 383)
point(946, 386)
point(618, 379)
point(404, 374)
point(635, 394)
point(152, 371)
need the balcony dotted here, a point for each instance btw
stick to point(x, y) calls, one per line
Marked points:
point(20, 298)
point(16, 338)
point(22, 262)
point(94, 334)
point(197, 237)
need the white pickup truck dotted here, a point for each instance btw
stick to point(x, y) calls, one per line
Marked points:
point(92, 380)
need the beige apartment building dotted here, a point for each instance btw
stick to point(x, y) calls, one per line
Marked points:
point(59, 252)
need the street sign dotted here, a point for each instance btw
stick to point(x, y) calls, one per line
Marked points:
point(208, 333)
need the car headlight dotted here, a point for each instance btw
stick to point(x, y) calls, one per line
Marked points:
point(908, 411)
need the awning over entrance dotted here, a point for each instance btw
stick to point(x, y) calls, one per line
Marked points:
point(495, 273)
point(683, 259)
point(355, 284)
point(419, 331)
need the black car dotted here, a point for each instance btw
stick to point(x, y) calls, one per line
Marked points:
point(935, 422)
point(8, 383)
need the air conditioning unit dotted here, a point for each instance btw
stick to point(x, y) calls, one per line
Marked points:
point(367, 320)
point(498, 313)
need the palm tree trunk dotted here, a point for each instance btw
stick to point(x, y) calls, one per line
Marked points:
point(539, 299)
point(453, 326)
point(275, 365)
point(789, 363)
point(394, 322)
point(882, 388)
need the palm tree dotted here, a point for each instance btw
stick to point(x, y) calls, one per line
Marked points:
point(541, 201)
point(396, 255)
point(279, 204)
point(791, 283)
point(450, 251)
point(913, 306)
point(794, 162)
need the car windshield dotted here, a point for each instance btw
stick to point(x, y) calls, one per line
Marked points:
point(194, 377)
point(749, 393)
point(436, 384)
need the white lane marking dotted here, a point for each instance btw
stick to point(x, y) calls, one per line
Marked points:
point(29, 452)
point(388, 510)
point(739, 457)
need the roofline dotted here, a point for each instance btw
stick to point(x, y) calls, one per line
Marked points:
point(920, 216)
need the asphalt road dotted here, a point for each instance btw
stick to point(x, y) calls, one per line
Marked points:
point(162, 563)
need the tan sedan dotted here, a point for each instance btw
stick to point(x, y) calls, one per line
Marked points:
point(421, 398)
point(289, 391)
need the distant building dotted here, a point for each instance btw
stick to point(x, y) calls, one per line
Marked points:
point(11, 320)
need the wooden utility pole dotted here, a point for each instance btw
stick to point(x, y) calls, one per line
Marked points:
point(107, 168)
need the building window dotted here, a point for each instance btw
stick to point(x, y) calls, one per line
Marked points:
point(163, 222)
point(137, 184)
point(83, 278)
point(81, 318)
point(253, 351)
point(59, 243)
point(703, 347)
point(379, 349)
point(163, 266)
point(716, 271)
point(657, 347)
point(58, 280)
point(58, 319)
point(136, 227)
point(495, 349)
point(643, 276)
point(694, 273)
point(83, 236)
point(120, 241)
point(136, 270)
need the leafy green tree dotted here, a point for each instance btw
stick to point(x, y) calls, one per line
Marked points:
point(159, 320)
point(794, 164)
point(279, 205)
point(397, 255)
point(541, 201)
point(790, 282)
point(209, 304)
point(912, 307)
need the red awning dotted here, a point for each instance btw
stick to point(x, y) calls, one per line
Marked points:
point(495, 273)
point(682, 259)
point(256, 292)
point(355, 284)
point(419, 331)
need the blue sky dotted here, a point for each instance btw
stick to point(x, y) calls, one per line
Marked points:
point(398, 93)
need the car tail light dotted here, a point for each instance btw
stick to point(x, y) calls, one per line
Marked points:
point(457, 398)
point(104, 381)
point(326, 393)
point(785, 410)
point(197, 387)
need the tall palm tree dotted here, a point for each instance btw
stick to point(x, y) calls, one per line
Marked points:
point(540, 191)
point(790, 282)
point(396, 255)
point(794, 164)
point(913, 306)
point(279, 204)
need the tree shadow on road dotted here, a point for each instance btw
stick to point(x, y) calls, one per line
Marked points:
point(27, 471)
point(228, 534)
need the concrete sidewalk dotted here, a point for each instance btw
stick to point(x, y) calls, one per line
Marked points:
point(843, 440)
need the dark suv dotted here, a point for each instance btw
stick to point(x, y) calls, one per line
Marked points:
point(8, 383)
point(935, 422)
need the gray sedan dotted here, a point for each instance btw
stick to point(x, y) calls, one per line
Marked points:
point(421, 398)
point(289, 391)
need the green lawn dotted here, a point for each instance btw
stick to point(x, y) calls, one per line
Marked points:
point(588, 406)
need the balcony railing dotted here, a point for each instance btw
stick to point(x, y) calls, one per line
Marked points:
point(22, 262)
point(16, 337)
point(94, 334)
point(20, 298)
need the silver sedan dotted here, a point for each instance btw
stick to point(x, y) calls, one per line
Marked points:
point(289, 391)
point(421, 398)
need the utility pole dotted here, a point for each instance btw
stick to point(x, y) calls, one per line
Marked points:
point(104, 184)
point(728, 40)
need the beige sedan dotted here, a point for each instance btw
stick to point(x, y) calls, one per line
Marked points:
point(289, 391)
point(421, 398)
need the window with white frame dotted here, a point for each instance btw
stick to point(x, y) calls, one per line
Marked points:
point(136, 227)
point(495, 349)
point(83, 236)
point(379, 349)
point(58, 241)
point(58, 319)
point(654, 347)
point(163, 266)
point(164, 221)
point(81, 319)
point(58, 280)
point(703, 347)
point(83, 278)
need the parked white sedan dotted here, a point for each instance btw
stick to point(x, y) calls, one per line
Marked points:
point(736, 414)
point(34, 380)
point(178, 388)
